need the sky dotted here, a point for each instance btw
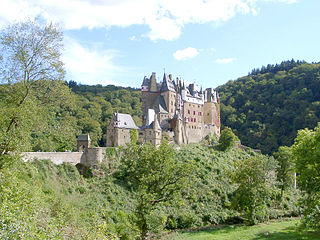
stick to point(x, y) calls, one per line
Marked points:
point(208, 42)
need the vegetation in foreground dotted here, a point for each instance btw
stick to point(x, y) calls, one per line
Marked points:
point(283, 230)
point(149, 189)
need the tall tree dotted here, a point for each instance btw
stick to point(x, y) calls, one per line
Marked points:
point(253, 178)
point(31, 77)
point(306, 152)
point(156, 175)
point(285, 168)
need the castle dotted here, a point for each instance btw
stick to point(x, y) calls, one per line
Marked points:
point(175, 110)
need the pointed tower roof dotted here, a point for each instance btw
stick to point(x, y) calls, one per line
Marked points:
point(145, 81)
point(153, 83)
point(156, 125)
point(167, 84)
point(160, 105)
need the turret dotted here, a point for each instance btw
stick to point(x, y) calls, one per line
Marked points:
point(153, 87)
point(116, 122)
point(83, 142)
point(145, 84)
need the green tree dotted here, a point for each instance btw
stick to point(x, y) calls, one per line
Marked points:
point(306, 152)
point(156, 175)
point(32, 90)
point(227, 139)
point(285, 169)
point(253, 178)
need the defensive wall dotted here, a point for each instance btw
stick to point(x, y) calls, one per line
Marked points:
point(90, 157)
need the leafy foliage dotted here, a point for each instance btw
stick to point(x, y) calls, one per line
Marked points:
point(227, 139)
point(285, 169)
point(266, 108)
point(35, 103)
point(255, 184)
point(95, 106)
point(156, 175)
point(306, 152)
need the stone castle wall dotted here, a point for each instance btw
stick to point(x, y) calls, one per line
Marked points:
point(91, 157)
point(56, 157)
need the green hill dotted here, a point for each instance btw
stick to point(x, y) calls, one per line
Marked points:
point(266, 108)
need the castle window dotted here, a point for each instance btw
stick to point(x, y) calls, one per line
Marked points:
point(208, 114)
point(195, 120)
point(189, 111)
point(194, 112)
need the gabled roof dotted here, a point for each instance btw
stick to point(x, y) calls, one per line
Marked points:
point(159, 105)
point(83, 137)
point(167, 84)
point(125, 121)
point(150, 126)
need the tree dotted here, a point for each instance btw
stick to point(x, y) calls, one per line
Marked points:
point(253, 178)
point(285, 169)
point(156, 175)
point(32, 89)
point(306, 153)
point(227, 139)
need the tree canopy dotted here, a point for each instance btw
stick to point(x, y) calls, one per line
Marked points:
point(266, 108)
point(35, 103)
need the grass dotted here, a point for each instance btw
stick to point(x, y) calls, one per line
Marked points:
point(285, 230)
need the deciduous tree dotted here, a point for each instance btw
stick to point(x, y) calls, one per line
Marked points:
point(32, 89)
point(156, 175)
point(306, 152)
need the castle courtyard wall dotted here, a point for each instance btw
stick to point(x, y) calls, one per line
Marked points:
point(56, 157)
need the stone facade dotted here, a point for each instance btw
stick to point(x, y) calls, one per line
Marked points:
point(186, 114)
point(178, 111)
point(119, 130)
point(86, 155)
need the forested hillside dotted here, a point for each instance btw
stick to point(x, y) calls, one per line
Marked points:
point(94, 106)
point(266, 108)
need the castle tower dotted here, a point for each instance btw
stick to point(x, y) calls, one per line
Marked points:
point(212, 109)
point(169, 94)
point(157, 134)
point(83, 142)
point(149, 93)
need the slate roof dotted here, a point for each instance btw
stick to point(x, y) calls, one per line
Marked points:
point(159, 105)
point(84, 137)
point(125, 121)
point(167, 84)
point(145, 81)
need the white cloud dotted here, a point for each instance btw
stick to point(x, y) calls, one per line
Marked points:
point(225, 60)
point(89, 65)
point(134, 38)
point(186, 53)
point(165, 18)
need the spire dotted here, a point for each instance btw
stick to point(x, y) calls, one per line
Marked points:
point(167, 84)
point(156, 125)
point(153, 83)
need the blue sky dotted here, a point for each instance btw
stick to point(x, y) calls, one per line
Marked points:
point(205, 41)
